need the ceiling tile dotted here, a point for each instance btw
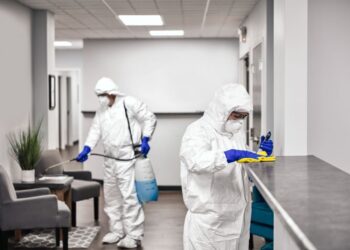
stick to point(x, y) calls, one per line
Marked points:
point(93, 19)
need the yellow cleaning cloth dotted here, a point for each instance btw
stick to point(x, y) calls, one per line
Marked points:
point(262, 158)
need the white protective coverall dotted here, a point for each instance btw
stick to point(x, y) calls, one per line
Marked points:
point(125, 214)
point(216, 193)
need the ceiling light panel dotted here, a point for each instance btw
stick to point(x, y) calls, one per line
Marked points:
point(141, 20)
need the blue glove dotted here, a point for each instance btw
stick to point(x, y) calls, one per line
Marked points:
point(235, 155)
point(144, 146)
point(266, 145)
point(83, 156)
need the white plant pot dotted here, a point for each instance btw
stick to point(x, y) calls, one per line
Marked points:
point(28, 175)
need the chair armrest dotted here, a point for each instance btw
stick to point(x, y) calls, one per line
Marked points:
point(32, 192)
point(27, 213)
point(79, 175)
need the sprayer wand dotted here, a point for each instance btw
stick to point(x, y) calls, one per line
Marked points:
point(137, 155)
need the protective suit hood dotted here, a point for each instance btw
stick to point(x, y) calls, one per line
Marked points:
point(107, 86)
point(229, 98)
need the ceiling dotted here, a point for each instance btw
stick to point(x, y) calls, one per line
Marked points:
point(80, 19)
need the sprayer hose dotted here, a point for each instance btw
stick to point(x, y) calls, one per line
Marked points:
point(117, 159)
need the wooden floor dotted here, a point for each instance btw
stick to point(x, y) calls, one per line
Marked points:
point(163, 225)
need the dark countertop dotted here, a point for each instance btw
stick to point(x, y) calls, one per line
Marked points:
point(310, 196)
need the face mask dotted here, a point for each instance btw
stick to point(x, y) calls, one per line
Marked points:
point(233, 126)
point(104, 101)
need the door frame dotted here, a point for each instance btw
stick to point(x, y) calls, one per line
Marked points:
point(255, 139)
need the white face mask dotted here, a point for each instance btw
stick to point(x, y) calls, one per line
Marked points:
point(104, 101)
point(233, 126)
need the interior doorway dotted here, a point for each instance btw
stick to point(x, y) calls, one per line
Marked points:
point(68, 107)
point(256, 76)
point(250, 75)
point(59, 83)
point(244, 80)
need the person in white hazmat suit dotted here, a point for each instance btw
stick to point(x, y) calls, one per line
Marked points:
point(126, 217)
point(215, 187)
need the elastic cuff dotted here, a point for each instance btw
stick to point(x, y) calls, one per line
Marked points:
point(88, 146)
point(121, 235)
point(147, 138)
point(221, 161)
point(134, 237)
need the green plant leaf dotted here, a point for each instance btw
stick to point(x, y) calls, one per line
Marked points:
point(25, 147)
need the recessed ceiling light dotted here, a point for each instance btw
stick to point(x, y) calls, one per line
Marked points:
point(141, 20)
point(62, 44)
point(166, 32)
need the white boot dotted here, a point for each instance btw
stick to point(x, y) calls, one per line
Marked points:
point(111, 238)
point(128, 242)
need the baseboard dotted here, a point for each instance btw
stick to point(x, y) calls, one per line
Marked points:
point(160, 187)
point(169, 188)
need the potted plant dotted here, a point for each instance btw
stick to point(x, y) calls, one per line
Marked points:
point(25, 148)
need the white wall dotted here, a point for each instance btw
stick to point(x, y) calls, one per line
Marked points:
point(50, 64)
point(111, 58)
point(256, 28)
point(290, 77)
point(16, 75)
point(169, 75)
point(328, 93)
point(284, 74)
point(69, 58)
point(43, 60)
point(259, 25)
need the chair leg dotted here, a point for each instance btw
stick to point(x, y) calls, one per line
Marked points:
point(251, 241)
point(96, 208)
point(57, 236)
point(74, 214)
point(65, 238)
point(3, 240)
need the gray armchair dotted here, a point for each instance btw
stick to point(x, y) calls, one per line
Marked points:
point(30, 209)
point(83, 187)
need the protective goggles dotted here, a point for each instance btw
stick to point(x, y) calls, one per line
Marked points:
point(237, 115)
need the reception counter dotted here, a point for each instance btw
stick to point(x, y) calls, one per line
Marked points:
point(310, 199)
